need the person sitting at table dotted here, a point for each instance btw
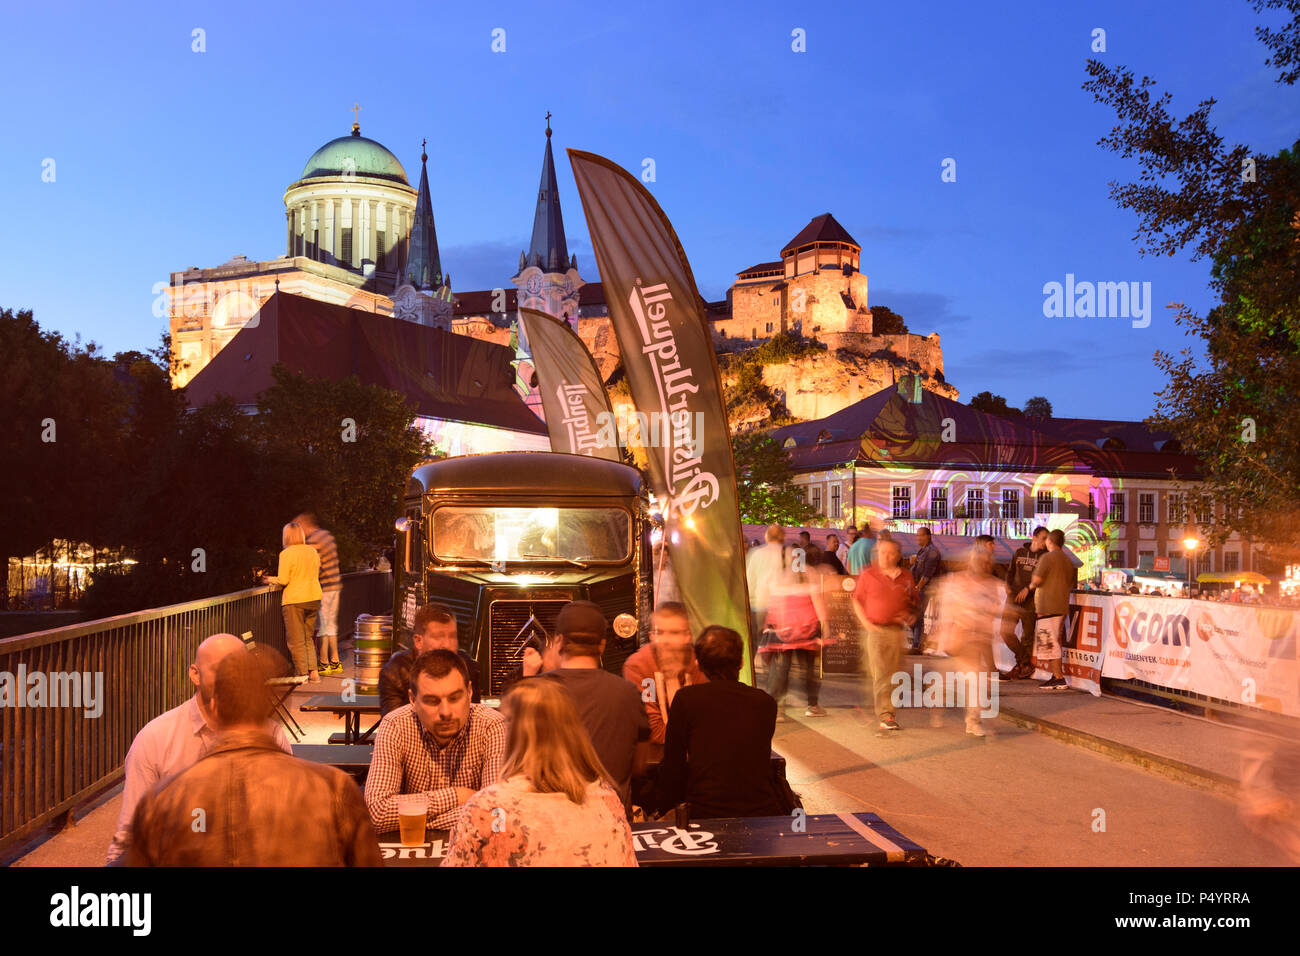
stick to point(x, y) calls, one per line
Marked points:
point(439, 743)
point(176, 740)
point(663, 667)
point(555, 805)
point(610, 707)
point(718, 752)
point(259, 805)
point(434, 628)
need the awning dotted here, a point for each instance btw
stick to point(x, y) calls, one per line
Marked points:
point(1233, 577)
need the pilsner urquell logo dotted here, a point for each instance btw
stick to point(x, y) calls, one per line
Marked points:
point(689, 485)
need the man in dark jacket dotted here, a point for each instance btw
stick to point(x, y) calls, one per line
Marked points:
point(434, 629)
point(248, 803)
point(718, 754)
point(1019, 608)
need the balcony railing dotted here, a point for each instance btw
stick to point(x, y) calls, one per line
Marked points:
point(53, 758)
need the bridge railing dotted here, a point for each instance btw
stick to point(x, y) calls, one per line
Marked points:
point(63, 739)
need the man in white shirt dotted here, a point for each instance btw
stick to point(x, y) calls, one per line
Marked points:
point(178, 739)
point(763, 567)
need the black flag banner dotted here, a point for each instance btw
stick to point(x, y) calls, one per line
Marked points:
point(672, 371)
point(579, 418)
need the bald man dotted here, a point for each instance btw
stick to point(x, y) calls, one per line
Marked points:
point(178, 739)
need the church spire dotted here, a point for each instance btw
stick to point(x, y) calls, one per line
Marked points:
point(548, 250)
point(423, 269)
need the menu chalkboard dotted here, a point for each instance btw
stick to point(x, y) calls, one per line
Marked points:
point(844, 655)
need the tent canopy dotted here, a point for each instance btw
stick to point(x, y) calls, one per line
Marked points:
point(1233, 577)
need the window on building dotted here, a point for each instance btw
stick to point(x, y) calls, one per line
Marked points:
point(1011, 502)
point(1146, 554)
point(1176, 554)
point(1092, 506)
point(345, 247)
point(835, 500)
point(1147, 507)
point(1115, 559)
point(1046, 503)
point(902, 499)
point(315, 244)
point(1232, 561)
point(975, 503)
point(769, 327)
point(938, 503)
point(1205, 512)
point(815, 498)
point(381, 253)
point(1117, 506)
point(1177, 510)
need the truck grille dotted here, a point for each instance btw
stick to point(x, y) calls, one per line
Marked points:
point(505, 620)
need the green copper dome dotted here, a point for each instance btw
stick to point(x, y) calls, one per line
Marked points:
point(367, 158)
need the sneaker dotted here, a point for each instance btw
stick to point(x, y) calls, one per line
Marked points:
point(1055, 683)
point(336, 667)
point(814, 711)
point(889, 723)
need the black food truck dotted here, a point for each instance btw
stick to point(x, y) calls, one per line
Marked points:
point(506, 539)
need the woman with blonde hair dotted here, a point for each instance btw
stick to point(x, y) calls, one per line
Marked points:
point(299, 574)
point(555, 805)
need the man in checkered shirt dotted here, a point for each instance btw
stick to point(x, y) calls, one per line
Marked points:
point(439, 743)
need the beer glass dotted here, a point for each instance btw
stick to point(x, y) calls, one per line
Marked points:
point(412, 812)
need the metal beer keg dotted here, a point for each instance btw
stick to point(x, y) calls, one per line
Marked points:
point(372, 647)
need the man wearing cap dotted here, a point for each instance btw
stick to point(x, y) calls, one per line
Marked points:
point(610, 707)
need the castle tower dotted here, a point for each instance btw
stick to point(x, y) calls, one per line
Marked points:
point(548, 277)
point(425, 293)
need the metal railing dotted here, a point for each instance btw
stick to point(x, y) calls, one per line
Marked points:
point(53, 758)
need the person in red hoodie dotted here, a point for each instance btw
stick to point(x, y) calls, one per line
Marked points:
point(884, 600)
point(662, 668)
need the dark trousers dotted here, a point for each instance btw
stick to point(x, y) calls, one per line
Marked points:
point(918, 629)
point(778, 675)
point(1023, 648)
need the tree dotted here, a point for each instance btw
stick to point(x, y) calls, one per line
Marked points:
point(765, 483)
point(994, 405)
point(1233, 407)
point(1038, 407)
point(885, 321)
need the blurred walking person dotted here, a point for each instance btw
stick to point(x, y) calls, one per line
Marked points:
point(928, 564)
point(969, 605)
point(884, 600)
point(1019, 607)
point(796, 618)
point(298, 573)
point(763, 568)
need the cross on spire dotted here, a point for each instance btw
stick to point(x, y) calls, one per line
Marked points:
point(424, 153)
point(548, 124)
point(356, 108)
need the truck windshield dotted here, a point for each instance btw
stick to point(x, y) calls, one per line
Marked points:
point(532, 535)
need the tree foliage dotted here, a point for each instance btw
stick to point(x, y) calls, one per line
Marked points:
point(994, 405)
point(765, 483)
point(1233, 408)
point(1038, 407)
point(885, 321)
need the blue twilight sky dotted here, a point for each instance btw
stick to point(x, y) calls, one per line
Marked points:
point(167, 158)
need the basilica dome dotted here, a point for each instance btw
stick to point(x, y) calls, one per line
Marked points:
point(355, 154)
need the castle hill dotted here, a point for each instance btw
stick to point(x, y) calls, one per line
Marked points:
point(792, 457)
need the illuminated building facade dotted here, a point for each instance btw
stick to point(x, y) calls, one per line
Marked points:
point(906, 458)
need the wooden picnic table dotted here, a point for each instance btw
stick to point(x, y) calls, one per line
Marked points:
point(350, 709)
point(823, 839)
point(353, 759)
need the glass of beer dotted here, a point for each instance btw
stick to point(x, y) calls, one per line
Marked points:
point(412, 812)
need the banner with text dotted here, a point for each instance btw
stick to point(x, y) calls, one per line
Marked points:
point(658, 319)
point(579, 418)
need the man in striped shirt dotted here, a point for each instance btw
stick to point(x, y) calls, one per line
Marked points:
point(440, 744)
point(331, 585)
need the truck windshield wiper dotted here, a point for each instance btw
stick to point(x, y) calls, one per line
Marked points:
point(556, 557)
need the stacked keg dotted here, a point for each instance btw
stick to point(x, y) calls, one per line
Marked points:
point(373, 646)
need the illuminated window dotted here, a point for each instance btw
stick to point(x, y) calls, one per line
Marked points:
point(938, 503)
point(815, 497)
point(1010, 502)
point(975, 503)
point(902, 501)
point(1147, 507)
point(835, 500)
point(1117, 506)
point(1231, 561)
point(1046, 503)
point(1116, 559)
point(1177, 510)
